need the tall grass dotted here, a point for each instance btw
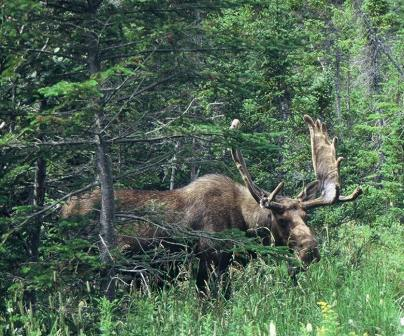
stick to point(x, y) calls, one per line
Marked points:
point(354, 290)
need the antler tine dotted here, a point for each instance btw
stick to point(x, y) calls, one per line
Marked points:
point(256, 192)
point(358, 191)
point(267, 202)
point(326, 167)
point(262, 197)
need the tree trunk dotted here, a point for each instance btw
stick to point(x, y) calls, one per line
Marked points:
point(34, 229)
point(174, 167)
point(194, 168)
point(373, 64)
point(374, 78)
point(374, 90)
point(338, 84)
point(38, 202)
point(107, 193)
point(348, 90)
point(104, 171)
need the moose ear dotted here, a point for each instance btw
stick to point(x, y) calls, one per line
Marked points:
point(261, 232)
point(309, 192)
point(252, 233)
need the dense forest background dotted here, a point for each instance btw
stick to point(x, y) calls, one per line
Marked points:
point(140, 94)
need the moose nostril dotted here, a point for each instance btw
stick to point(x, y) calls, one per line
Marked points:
point(316, 256)
point(310, 255)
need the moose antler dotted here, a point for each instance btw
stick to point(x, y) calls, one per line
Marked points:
point(262, 197)
point(326, 167)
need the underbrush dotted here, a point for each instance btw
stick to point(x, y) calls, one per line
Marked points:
point(354, 290)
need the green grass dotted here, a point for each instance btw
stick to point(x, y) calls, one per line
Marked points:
point(354, 290)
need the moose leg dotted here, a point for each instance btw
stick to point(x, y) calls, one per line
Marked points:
point(203, 275)
point(212, 274)
point(223, 273)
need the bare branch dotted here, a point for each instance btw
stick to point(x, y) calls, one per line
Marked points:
point(120, 139)
point(41, 51)
point(128, 79)
point(173, 119)
point(148, 87)
point(379, 40)
point(106, 248)
point(185, 50)
point(168, 137)
point(51, 143)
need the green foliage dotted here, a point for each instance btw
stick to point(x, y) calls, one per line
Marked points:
point(107, 326)
point(169, 80)
point(64, 88)
point(348, 293)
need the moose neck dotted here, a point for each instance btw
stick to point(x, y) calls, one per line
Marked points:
point(254, 216)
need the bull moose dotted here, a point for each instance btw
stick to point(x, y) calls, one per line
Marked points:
point(215, 203)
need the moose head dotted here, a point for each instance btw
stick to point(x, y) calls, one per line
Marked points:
point(288, 215)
